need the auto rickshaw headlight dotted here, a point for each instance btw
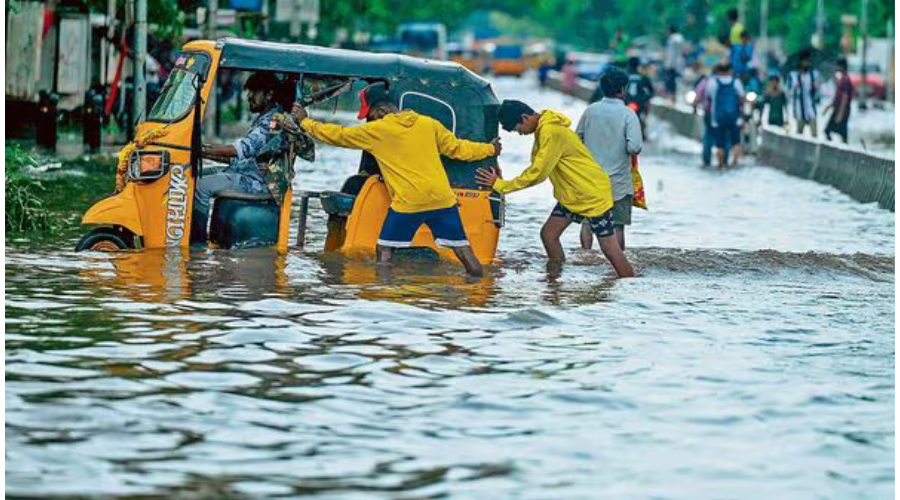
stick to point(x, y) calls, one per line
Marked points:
point(148, 165)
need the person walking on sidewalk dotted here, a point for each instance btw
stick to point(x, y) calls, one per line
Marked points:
point(843, 97)
point(803, 87)
point(776, 100)
point(612, 133)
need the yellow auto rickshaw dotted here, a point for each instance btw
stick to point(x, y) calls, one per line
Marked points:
point(162, 166)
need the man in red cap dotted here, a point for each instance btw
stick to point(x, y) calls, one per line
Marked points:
point(408, 146)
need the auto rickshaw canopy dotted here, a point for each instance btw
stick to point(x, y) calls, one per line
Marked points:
point(463, 101)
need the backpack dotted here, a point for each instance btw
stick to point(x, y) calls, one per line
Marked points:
point(635, 91)
point(727, 103)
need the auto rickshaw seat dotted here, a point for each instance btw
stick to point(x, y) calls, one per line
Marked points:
point(335, 203)
point(230, 194)
point(242, 220)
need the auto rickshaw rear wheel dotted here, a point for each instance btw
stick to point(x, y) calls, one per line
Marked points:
point(104, 239)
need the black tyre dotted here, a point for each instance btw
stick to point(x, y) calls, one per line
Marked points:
point(103, 240)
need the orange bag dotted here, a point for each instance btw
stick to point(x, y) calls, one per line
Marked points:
point(640, 199)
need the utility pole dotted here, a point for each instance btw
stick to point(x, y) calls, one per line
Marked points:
point(295, 20)
point(820, 25)
point(742, 11)
point(212, 27)
point(890, 66)
point(763, 48)
point(864, 34)
point(140, 60)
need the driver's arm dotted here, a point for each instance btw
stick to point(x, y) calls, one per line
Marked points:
point(218, 152)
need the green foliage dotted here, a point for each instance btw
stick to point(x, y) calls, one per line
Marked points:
point(24, 204)
point(591, 24)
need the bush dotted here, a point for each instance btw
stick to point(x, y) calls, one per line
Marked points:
point(24, 207)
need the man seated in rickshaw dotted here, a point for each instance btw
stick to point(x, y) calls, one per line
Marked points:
point(244, 155)
point(407, 147)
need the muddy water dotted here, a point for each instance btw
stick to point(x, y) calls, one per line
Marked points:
point(753, 358)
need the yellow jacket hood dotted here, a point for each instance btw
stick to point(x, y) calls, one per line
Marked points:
point(550, 117)
point(403, 118)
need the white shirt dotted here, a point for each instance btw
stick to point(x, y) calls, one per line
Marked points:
point(801, 86)
point(674, 56)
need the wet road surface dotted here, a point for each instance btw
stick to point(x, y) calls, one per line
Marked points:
point(754, 357)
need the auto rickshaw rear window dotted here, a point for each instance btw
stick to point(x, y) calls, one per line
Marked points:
point(178, 94)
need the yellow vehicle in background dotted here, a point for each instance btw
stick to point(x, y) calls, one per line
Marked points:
point(508, 60)
point(163, 165)
point(469, 59)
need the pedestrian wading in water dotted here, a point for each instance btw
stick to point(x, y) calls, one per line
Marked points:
point(408, 146)
point(580, 186)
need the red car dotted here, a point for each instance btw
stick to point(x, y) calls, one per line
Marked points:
point(875, 84)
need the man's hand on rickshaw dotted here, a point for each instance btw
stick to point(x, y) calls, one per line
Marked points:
point(299, 112)
point(486, 177)
point(497, 146)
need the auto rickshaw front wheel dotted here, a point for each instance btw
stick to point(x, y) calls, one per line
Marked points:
point(105, 239)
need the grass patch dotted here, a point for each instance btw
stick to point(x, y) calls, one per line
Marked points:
point(25, 208)
point(41, 206)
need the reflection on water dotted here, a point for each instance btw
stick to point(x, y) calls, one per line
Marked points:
point(248, 374)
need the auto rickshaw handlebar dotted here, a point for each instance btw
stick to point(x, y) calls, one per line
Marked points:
point(327, 93)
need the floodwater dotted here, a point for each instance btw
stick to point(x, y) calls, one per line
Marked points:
point(754, 357)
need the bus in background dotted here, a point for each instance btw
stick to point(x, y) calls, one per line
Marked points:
point(508, 59)
point(428, 40)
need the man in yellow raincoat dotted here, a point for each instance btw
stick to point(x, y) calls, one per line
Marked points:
point(580, 186)
point(408, 146)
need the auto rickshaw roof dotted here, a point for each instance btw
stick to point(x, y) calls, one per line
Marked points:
point(297, 58)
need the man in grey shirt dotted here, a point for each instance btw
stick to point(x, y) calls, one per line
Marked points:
point(612, 133)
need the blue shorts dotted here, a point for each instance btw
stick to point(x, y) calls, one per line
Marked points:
point(727, 136)
point(601, 225)
point(445, 224)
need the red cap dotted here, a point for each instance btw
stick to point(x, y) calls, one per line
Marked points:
point(363, 104)
point(374, 94)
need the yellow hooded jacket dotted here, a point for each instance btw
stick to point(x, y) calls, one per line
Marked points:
point(407, 146)
point(579, 184)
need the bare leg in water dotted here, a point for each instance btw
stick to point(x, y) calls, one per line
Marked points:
point(620, 236)
point(464, 254)
point(550, 233)
point(469, 261)
point(587, 237)
point(614, 254)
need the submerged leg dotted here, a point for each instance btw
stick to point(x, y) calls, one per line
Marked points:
point(614, 254)
point(587, 237)
point(550, 233)
point(469, 261)
point(383, 254)
point(620, 236)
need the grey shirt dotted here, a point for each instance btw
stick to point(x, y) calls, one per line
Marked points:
point(612, 133)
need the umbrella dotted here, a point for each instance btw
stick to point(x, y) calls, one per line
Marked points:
point(819, 60)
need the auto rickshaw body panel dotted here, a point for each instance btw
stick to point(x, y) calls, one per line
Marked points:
point(365, 221)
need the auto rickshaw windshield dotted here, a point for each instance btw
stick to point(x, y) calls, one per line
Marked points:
point(178, 94)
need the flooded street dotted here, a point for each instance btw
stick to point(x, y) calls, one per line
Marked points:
point(753, 358)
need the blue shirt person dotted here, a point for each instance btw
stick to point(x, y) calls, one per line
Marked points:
point(243, 172)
